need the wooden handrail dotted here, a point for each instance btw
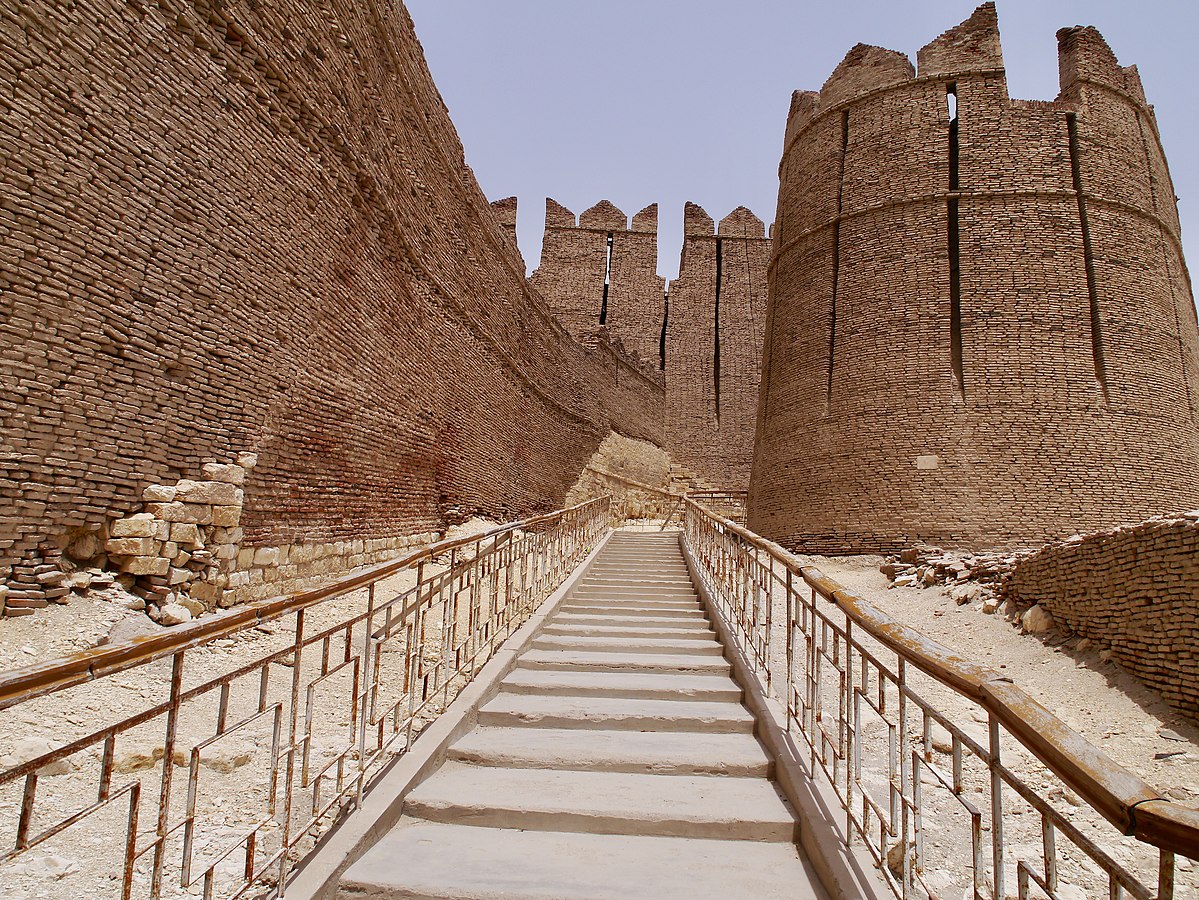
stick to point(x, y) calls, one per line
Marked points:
point(1124, 799)
point(41, 678)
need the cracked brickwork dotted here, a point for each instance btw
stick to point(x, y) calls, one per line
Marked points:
point(981, 330)
point(250, 227)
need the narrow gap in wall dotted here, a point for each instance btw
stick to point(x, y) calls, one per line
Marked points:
point(955, 301)
point(662, 336)
point(716, 328)
point(951, 99)
point(954, 240)
point(832, 326)
point(607, 280)
point(1088, 258)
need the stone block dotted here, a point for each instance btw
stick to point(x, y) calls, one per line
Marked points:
point(208, 594)
point(158, 493)
point(186, 533)
point(226, 516)
point(132, 546)
point(146, 565)
point(212, 493)
point(229, 474)
point(140, 525)
point(178, 576)
point(266, 556)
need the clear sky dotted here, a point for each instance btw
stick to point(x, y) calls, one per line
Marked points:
point(643, 101)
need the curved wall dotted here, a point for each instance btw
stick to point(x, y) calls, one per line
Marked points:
point(981, 331)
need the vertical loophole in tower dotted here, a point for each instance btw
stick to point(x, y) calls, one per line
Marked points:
point(716, 327)
point(832, 325)
point(607, 281)
point(1088, 258)
point(954, 247)
point(662, 336)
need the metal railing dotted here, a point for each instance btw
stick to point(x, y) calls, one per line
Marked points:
point(944, 807)
point(336, 683)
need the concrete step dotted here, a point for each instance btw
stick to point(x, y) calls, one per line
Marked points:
point(703, 806)
point(593, 629)
point(582, 660)
point(598, 607)
point(638, 587)
point(653, 578)
point(644, 685)
point(628, 644)
point(648, 752)
point(661, 619)
point(462, 862)
point(612, 713)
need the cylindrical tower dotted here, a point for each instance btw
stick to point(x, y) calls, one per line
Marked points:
point(980, 328)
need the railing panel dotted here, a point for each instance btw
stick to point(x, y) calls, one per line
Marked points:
point(208, 759)
point(1001, 801)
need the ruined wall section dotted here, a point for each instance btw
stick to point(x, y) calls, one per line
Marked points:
point(601, 272)
point(1131, 591)
point(286, 255)
point(714, 345)
point(981, 329)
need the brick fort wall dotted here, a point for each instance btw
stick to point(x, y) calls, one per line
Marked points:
point(980, 325)
point(250, 228)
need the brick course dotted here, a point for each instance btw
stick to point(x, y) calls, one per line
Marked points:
point(962, 348)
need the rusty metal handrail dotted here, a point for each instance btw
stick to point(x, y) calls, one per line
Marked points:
point(1122, 798)
point(369, 674)
point(36, 679)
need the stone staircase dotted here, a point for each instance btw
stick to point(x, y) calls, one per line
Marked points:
point(616, 761)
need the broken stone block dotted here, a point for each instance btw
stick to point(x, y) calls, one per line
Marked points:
point(194, 606)
point(158, 493)
point(208, 594)
point(174, 614)
point(229, 474)
point(146, 565)
point(226, 516)
point(30, 748)
point(178, 576)
point(182, 512)
point(186, 533)
point(140, 525)
point(1037, 620)
point(247, 460)
point(132, 546)
point(212, 493)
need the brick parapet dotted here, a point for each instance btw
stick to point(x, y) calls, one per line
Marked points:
point(1131, 591)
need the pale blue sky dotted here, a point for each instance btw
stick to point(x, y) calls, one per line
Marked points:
point(643, 101)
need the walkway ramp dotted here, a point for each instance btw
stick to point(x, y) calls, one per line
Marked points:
point(616, 761)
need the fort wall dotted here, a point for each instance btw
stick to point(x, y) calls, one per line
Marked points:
point(251, 228)
point(714, 345)
point(981, 330)
point(1131, 592)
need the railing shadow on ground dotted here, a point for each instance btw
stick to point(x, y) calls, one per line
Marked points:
point(943, 807)
point(350, 675)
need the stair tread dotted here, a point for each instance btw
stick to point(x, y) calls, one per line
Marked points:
point(583, 659)
point(644, 713)
point(614, 750)
point(597, 802)
point(429, 859)
point(624, 684)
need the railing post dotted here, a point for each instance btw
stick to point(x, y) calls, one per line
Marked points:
point(993, 763)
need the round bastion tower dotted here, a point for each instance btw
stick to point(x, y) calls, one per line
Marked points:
point(980, 328)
